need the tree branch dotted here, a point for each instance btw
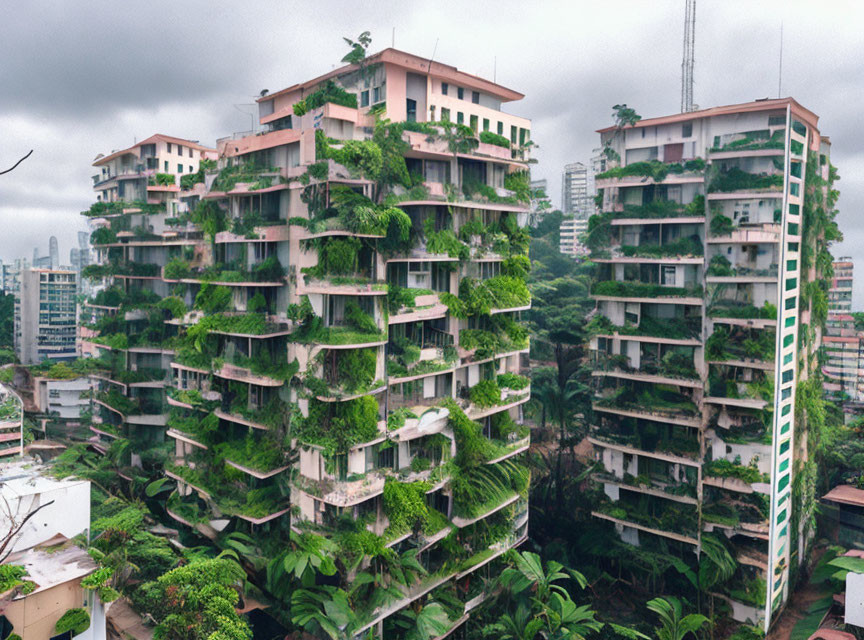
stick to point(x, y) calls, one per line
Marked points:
point(12, 168)
point(3, 553)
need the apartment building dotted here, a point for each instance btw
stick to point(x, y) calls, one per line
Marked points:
point(45, 323)
point(843, 344)
point(150, 169)
point(569, 233)
point(577, 197)
point(342, 335)
point(705, 333)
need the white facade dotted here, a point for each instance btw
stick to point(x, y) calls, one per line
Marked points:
point(570, 231)
point(24, 489)
point(65, 398)
point(45, 319)
point(577, 198)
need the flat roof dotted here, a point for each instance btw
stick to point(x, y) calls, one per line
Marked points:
point(414, 63)
point(757, 105)
point(156, 137)
point(846, 494)
point(51, 568)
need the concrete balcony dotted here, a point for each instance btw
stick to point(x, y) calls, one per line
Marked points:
point(656, 415)
point(768, 234)
point(597, 440)
point(646, 529)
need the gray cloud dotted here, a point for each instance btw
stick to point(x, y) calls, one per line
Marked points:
point(87, 77)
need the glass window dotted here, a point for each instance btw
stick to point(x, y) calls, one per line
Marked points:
point(166, 166)
point(787, 376)
point(445, 114)
point(794, 188)
point(179, 149)
point(179, 168)
point(460, 117)
point(793, 228)
point(790, 303)
point(791, 265)
point(788, 340)
point(474, 122)
point(791, 283)
point(169, 147)
point(364, 98)
point(475, 97)
point(410, 110)
point(500, 128)
point(792, 247)
point(460, 93)
point(444, 87)
point(485, 124)
point(376, 95)
point(687, 130)
point(513, 133)
point(787, 358)
point(190, 152)
point(191, 170)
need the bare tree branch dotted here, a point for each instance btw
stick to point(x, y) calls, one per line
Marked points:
point(12, 168)
point(14, 531)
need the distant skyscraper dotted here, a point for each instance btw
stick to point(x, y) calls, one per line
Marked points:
point(54, 252)
point(576, 199)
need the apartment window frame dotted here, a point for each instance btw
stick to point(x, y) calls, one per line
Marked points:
point(444, 88)
point(500, 128)
point(475, 97)
point(486, 124)
point(364, 98)
point(460, 93)
point(474, 123)
point(179, 167)
point(460, 117)
point(168, 144)
point(687, 130)
point(445, 114)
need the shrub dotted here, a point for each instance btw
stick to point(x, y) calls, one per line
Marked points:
point(75, 620)
point(176, 269)
point(405, 505)
point(513, 381)
point(330, 92)
point(488, 137)
point(359, 319)
point(485, 394)
point(213, 298)
point(103, 235)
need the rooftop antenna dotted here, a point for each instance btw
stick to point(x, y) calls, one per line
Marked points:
point(688, 57)
point(780, 72)
point(394, 38)
point(434, 51)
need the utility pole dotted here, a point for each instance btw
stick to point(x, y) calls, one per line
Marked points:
point(688, 57)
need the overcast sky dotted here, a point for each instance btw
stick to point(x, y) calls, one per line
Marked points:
point(82, 78)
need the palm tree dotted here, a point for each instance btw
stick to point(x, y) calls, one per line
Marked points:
point(672, 625)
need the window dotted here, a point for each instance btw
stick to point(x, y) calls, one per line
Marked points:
point(460, 117)
point(364, 98)
point(513, 130)
point(793, 188)
point(523, 136)
point(794, 210)
point(191, 170)
point(166, 166)
point(190, 152)
point(179, 149)
point(667, 275)
point(790, 303)
point(792, 247)
point(793, 229)
point(795, 169)
point(687, 130)
point(445, 115)
point(788, 340)
point(500, 128)
point(643, 132)
point(474, 122)
point(169, 147)
point(787, 376)
point(179, 168)
point(787, 359)
point(376, 95)
point(444, 87)
point(774, 121)
point(475, 97)
point(791, 283)
point(789, 322)
point(410, 110)
point(485, 124)
point(791, 265)
point(460, 93)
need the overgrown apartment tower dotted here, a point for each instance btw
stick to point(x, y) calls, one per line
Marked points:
point(337, 299)
point(711, 299)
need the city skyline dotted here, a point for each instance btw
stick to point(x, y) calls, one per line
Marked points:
point(68, 120)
